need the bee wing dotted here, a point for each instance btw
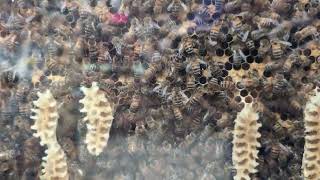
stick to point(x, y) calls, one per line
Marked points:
point(184, 6)
point(164, 91)
point(184, 97)
point(286, 43)
point(169, 7)
point(212, 43)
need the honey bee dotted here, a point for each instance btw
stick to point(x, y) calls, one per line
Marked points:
point(179, 128)
point(227, 85)
point(93, 54)
point(103, 56)
point(280, 6)
point(89, 29)
point(22, 92)
point(219, 5)
point(257, 34)
point(276, 50)
point(264, 47)
point(136, 102)
point(281, 87)
point(273, 66)
point(7, 154)
point(158, 6)
point(156, 56)
point(215, 33)
point(13, 42)
point(188, 141)
point(305, 32)
point(188, 46)
point(213, 85)
point(9, 78)
point(208, 130)
point(236, 58)
point(278, 128)
point(295, 105)
point(250, 44)
point(69, 147)
point(293, 58)
point(237, 24)
point(196, 98)
point(133, 144)
point(275, 150)
point(194, 68)
point(177, 113)
point(216, 71)
point(191, 83)
point(196, 122)
point(176, 7)
point(25, 109)
point(265, 22)
point(229, 7)
point(152, 70)
point(177, 99)
point(177, 61)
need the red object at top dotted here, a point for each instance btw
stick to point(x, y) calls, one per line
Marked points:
point(119, 18)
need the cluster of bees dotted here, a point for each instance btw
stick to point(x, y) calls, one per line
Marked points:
point(171, 68)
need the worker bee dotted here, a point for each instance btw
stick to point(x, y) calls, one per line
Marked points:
point(104, 56)
point(219, 5)
point(135, 103)
point(215, 33)
point(22, 92)
point(237, 24)
point(278, 129)
point(227, 85)
point(6, 153)
point(177, 99)
point(275, 150)
point(89, 29)
point(178, 63)
point(188, 141)
point(213, 85)
point(9, 78)
point(25, 109)
point(188, 46)
point(196, 98)
point(156, 56)
point(13, 42)
point(257, 34)
point(153, 69)
point(276, 50)
point(236, 59)
point(191, 82)
point(305, 32)
point(281, 87)
point(179, 129)
point(229, 7)
point(194, 68)
point(158, 6)
point(265, 22)
point(196, 122)
point(216, 70)
point(208, 130)
point(296, 106)
point(280, 6)
point(176, 6)
point(250, 44)
point(294, 58)
point(177, 113)
point(272, 66)
point(264, 48)
point(52, 49)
